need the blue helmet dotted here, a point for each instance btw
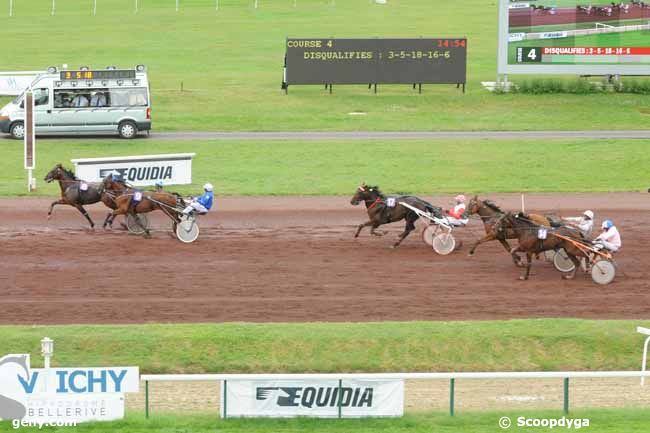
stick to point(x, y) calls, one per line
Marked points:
point(159, 184)
point(607, 224)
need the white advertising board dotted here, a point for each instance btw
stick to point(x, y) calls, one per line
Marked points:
point(313, 398)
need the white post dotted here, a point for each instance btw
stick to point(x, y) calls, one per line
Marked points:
point(645, 358)
point(256, 1)
point(216, 5)
point(176, 5)
point(53, 7)
point(11, 8)
point(523, 206)
point(136, 6)
point(295, 3)
point(94, 7)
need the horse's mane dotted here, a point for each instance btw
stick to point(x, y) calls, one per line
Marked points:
point(68, 172)
point(492, 205)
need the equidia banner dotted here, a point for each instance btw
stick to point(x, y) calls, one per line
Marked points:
point(63, 394)
point(171, 169)
point(315, 398)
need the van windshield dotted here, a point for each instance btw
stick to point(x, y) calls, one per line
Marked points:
point(19, 98)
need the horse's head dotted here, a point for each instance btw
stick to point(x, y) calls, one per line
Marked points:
point(473, 206)
point(58, 173)
point(365, 193)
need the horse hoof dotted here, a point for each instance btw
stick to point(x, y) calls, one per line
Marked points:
point(568, 277)
point(523, 278)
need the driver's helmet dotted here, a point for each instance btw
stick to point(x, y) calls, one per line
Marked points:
point(589, 214)
point(460, 198)
point(115, 176)
point(159, 184)
point(208, 187)
point(607, 224)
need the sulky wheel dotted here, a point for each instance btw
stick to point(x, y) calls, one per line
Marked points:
point(428, 234)
point(187, 230)
point(603, 272)
point(562, 262)
point(444, 243)
point(133, 226)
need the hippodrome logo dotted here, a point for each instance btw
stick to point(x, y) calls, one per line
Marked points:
point(140, 173)
point(311, 396)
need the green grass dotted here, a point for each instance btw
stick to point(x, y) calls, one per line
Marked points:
point(325, 167)
point(600, 421)
point(515, 345)
point(230, 64)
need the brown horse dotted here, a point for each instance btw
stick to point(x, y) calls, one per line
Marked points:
point(531, 241)
point(490, 215)
point(384, 210)
point(74, 192)
point(151, 200)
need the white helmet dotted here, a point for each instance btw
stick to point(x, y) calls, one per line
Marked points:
point(207, 187)
point(589, 214)
point(460, 198)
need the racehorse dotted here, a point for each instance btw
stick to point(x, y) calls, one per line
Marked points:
point(74, 192)
point(490, 215)
point(534, 239)
point(383, 210)
point(151, 200)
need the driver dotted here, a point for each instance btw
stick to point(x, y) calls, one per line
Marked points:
point(455, 215)
point(203, 203)
point(584, 223)
point(609, 237)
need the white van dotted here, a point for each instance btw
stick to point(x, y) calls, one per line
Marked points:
point(84, 101)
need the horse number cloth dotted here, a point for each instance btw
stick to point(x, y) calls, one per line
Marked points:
point(390, 202)
point(83, 186)
point(542, 233)
point(137, 196)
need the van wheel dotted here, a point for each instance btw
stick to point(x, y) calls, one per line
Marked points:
point(17, 130)
point(127, 129)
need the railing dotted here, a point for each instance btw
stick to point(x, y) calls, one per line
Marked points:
point(565, 375)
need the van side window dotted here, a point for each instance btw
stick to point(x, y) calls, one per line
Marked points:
point(134, 97)
point(41, 96)
point(65, 98)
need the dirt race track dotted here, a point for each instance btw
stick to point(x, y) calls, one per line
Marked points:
point(294, 259)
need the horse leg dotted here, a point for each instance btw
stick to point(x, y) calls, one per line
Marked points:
point(576, 262)
point(515, 258)
point(54, 203)
point(108, 220)
point(361, 226)
point(84, 213)
point(375, 233)
point(529, 259)
point(410, 226)
point(488, 237)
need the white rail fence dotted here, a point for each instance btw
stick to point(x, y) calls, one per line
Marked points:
point(565, 376)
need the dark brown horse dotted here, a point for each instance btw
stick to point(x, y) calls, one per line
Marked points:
point(151, 200)
point(490, 215)
point(384, 210)
point(534, 239)
point(74, 192)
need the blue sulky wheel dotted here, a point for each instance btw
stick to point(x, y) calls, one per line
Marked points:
point(187, 230)
point(133, 227)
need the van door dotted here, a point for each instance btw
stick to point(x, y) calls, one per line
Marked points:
point(42, 109)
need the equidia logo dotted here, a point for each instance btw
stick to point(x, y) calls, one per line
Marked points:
point(140, 173)
point(323, 396)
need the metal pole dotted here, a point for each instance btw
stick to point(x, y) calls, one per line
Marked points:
point(11, 8)
point(146, 399)
point(94, 7)
point(53, 7)
point(136, 6)
point(340, 397)
point(176, 5)
point(225, 399)
point(216, 4)
point(452, 387)
point(566, 395)
point(30, 189)
point(645, 359)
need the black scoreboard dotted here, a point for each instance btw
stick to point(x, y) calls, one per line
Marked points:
point(376, 61)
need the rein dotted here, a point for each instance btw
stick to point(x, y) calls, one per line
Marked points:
point(375, 203)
